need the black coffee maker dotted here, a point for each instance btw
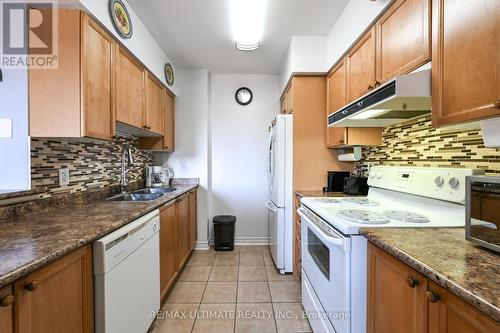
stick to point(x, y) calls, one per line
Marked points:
point(336, 181)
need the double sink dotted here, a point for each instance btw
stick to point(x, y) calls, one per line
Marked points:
point(144, 194)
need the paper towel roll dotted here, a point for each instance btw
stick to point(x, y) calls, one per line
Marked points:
point(491, 132)
point(348, 158)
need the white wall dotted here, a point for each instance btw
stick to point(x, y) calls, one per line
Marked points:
point(190, 159)
point(141, 44)
point(239, 144)
point(306, 54)
point(356, 18)
point(317, 54)
point(15, 151)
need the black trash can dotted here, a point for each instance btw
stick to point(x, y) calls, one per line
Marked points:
point(224, 232)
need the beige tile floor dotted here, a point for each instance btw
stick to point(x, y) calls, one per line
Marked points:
point(238, 291)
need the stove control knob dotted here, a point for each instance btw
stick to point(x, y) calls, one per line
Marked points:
point(439, 181)
point(453, 182)
point(373, 174)
point(379, 175)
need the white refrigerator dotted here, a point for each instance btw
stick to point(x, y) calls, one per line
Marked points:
point(280, 202)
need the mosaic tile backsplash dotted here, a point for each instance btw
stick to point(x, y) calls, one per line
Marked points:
point(417, 143)
point(92, 164)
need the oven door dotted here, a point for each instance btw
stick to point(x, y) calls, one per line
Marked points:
point(326, 263)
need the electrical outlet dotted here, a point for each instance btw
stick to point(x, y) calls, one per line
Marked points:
point(63, 176)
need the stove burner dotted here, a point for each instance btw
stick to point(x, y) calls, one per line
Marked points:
point(328, 200)
point(403, 216)
point(362, 216)
point(360, 201)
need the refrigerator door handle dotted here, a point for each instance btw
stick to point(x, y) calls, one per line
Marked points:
point(271, 207)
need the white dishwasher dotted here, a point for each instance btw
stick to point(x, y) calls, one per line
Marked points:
point(127, 277)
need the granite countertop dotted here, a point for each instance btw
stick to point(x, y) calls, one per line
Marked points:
point(30, 242)
point(445, 257)
point(319, 193)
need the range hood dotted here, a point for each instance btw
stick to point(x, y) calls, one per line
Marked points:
point(405, 97)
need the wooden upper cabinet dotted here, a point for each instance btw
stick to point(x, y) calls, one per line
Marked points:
point(283, 104)
point(168, 248)
point(78, 102)
point(167, 142)
point(336, 98)
point(465, 60)
point(403, 38)
point(154, 105)
point(361, 67)
point(169, 134)
point(130, 99)
point(97, 75)
point(396, 295)
point(6, 309)
point(449, 314)
point(57, 297)
point(289, 99)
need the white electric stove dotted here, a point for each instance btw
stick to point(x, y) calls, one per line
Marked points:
point(334, 254)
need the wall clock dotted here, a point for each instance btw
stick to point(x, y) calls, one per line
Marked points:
point(121, 18)
point(243, 96)
point(169, 74)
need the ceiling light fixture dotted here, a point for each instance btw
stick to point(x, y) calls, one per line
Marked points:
point(247, 21)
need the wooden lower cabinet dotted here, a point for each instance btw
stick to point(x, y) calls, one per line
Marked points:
point(57, 297)
point(169, 262)
point(183, 233)
point(400, 300)
point(6, 310)
point(396, 295)
point(449, 314)
point(297, 267)
point(193, 218)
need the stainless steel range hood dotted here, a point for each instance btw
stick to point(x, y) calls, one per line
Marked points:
point(396, 101)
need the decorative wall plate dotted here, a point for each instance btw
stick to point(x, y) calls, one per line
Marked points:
point(121, 18)
point(169, 74)
point(243, 96)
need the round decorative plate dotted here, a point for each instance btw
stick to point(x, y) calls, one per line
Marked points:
point(121, 18)
point(243, 96)
point(169, 74)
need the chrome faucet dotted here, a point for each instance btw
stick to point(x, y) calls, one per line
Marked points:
point(130, 161)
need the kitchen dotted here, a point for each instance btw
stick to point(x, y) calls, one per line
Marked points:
point(355, 142)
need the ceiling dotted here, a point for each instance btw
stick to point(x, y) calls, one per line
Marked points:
point(196, 34)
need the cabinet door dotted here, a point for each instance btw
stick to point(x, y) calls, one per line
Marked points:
point(129, 83)
point(289, 99)
point(96, 74)
point(169, 134)
point(449, 314)
point(154, 108)
point(193, 218)
point(283, 104)
point(6, 309)
point(403, 41)
point(183, 234)
point(361, 67)
point(465, 60)
point(336, 98)
point(396, 295)
point(57, 297)
point(169, 264)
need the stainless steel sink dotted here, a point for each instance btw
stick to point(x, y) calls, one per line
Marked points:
point(161, 190)
point(135, 197)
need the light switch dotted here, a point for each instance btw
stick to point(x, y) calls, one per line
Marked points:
point(5, 128)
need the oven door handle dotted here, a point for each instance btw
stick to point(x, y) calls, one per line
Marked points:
point(332, 237)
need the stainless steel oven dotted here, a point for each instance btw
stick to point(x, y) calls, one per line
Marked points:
point(483, 211)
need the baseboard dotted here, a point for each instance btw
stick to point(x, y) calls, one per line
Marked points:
point(202, 246)
point(251, 241)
